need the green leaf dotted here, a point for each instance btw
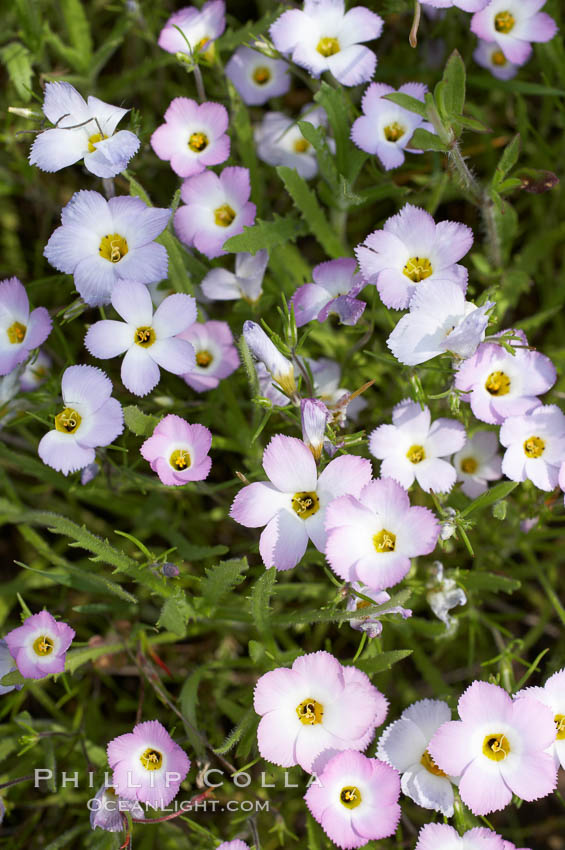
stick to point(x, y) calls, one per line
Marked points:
point(82, 655)
point(13, 678)
point(177, 273)
point(338, 615)
point(423, 140)
point(260, 598)
point(317, 138)
point(139, 423)
point(472, 124)
point(306, 201)
point(265, 235)
point(17, 60)
point(188, 703)
point(507, 161)
point(338, 108)
point(81, 580)
point(454, 78)
point(412, 104)
point(383, 661)
point(78, 29)
point(494, 494)
point(246, 722)
point(479, 580)
point(221, 579)
point(175, 614)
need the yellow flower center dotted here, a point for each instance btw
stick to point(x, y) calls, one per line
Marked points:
point(67, 421)
point(301, 146)
point(151, 759)
point(362, 603)
point(350, 797)
point(144, 337)
point(113, 247)
point(92, 141)
point(496, 747)
point(203, 359)
point(498, 383)
point(198, 142)
point(310, 712)
point(384, 541)
point(180, 459)
point(504, 22)
point(418, 268)
point(560, 725)
point(224, 215)
point(469, 465)
point(16, 333)
point(394, 132)
point(430, 765)
point(534, 447)
point(305, 504)
point(43, 645)
point(328, 46)
point(498, 58)
point(416, 454)
point(262, 75)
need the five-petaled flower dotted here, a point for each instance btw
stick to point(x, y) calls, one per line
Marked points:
point(40, 645)
point(193, 136)
point(178, 451)
point(20, 330)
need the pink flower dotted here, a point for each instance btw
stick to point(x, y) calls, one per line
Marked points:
point(499, 384)
point(216, 207)
point(20, 330)
point(553, 696)
point(441, 836)
point(466, 5)
point(107, 813)
point(497, 748)
point(513, 24)
point(177, 451)
point(257, 77)
point(39, 647)
point(356, 800)
point(193, 136)
point(489, 55)
point(535, 446)
point(314, 709)
point(233, 845)
point(216, 354)
point(293, 504)
point(413, 447)
point(411, 248)
point(333, 293)
point(372, 538)
point(198, 27)
point(477, 463)
point(148, 766)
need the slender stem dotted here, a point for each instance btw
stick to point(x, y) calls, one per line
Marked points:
point(552, 596)
point(16, 781)
point(196, 799)
point(255, 833)
point(493, 239)
point(199, 83)
point(413, 37)
point(467, 179)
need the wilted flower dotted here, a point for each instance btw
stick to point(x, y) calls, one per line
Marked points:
point(371, 623)
point(83, 130)
point(35, 372)
point(513, 24)
point(148, 340)
point(327, 375)
point(266, 351)
point(441, 836)
point(333, 292)
point(411, 248)
point(89, 473)
point(444, 594)
point(489, 55)
point(356, 800)
point(101, 242)
point(216, 207)
point(257, 77)
point(292, 505)
point(193, 136)
point(90, 418)
point(535, 446)
point(314, 416)
point(40, 645)
point(246, 282)
point(20, 330)
point(552, 694)
point(477, 463)
point(413, 447)
point(497, 748)
point(148, 766)
point(178, 451)
point(315, 706)
point(386, 129)
point(371, 537)
point(440, 321)
point(280, 141)
point(107, 812)
point(404, 745)
point(216, 354)
point(198, 28)
point(324, 37)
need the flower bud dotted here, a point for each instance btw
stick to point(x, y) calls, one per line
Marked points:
point(264, 350)
point(314, 415)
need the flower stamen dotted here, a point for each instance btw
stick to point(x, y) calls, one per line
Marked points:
point(180, 459)
point(16, 333)
point(113, 247)
point(94, 139)
point(418, 269)
point(151, 759)
point(262, 75)
point(498, 58)
point(224, 215)
point(496, 747)
point(203, 359)
point(198, 142)
point(504, 22)
point(393, 132)
point(534, 447)
point(469, 465)
point(68, 421)
point(305, 504)
point(310, 712)
point(497, 383)
point(43, 645)
point(428, 762)
point(301, 146)
point(384, 541)
point(350, 797)
point(328, 46)
point(560, 725)
point(416, 454)
point(144, 336)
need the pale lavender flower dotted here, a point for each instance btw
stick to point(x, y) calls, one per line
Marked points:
point(89, 473)
point(7, 665)
point(83, 130)
point(20, 330)
point(411, 248)
point(35, 372)
point(246, 282)
point(199, 27)
point(440, 321)
point(148, 341)
point(441, 836)
point(413, 447)
point(327, 376)
point(193, 136)
point(257, 77)
point(101, 242)
point(333, 292)
point(552, 694)
point(263, 349)
point(324, 37)
point(178, 451)
point(477, 463)
point(279, 141)
point(267, 388)
point(233, 845)
point(371, 623)
point(513, 25)
point(216, 207)
point(314, 417)
point(106, 810)
point(40, 645)
point(535, 446)
point(215, 353)
point(465, 5)
point(488, 55)
point(90, 418)
point(386, 129)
